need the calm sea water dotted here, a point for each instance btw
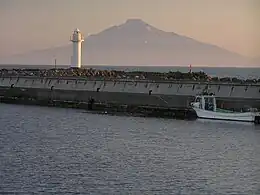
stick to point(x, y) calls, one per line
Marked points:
point(242, 73)
point(66, 151)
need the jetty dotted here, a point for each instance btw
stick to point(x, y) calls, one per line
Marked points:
point(134, 93)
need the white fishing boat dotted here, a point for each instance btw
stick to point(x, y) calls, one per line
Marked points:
point(205, 107)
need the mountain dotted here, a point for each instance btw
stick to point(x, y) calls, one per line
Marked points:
point(257, 61)
point(136, 43)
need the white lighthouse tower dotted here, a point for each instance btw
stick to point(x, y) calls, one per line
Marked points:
point(77, 38)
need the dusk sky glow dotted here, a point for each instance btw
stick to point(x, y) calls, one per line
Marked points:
point(28, 25)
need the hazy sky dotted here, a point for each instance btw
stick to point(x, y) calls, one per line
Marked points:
point(27, 25)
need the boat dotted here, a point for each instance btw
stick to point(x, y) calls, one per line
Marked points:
point(205, 107)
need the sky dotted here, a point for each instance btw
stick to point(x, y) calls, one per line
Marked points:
point(27, 25)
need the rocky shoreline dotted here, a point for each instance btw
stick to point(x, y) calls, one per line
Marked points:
point(114, 74)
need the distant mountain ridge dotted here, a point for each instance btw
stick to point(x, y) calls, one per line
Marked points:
point(257, 60)
point(137, 43)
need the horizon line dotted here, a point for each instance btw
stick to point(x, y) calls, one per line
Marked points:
point(150, 65)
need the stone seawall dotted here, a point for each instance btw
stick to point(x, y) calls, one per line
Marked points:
point(142, 92)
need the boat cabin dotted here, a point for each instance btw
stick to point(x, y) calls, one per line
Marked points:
point(205, 102)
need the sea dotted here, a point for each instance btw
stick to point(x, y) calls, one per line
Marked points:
point(66, 151)
point(222, 71)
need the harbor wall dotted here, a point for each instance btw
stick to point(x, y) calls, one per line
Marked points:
point(101, 97)
point(142, 92)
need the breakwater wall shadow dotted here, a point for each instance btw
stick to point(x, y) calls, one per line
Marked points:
point(88, 102)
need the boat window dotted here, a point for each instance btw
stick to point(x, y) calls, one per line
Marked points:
point(198, 99)
point(209, 104)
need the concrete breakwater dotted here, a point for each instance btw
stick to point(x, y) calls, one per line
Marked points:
point(107, 108)
point(129, 91)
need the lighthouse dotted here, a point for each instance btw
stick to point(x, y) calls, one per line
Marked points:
point(76, 39)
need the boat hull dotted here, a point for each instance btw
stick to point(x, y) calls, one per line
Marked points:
point(242, 117)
